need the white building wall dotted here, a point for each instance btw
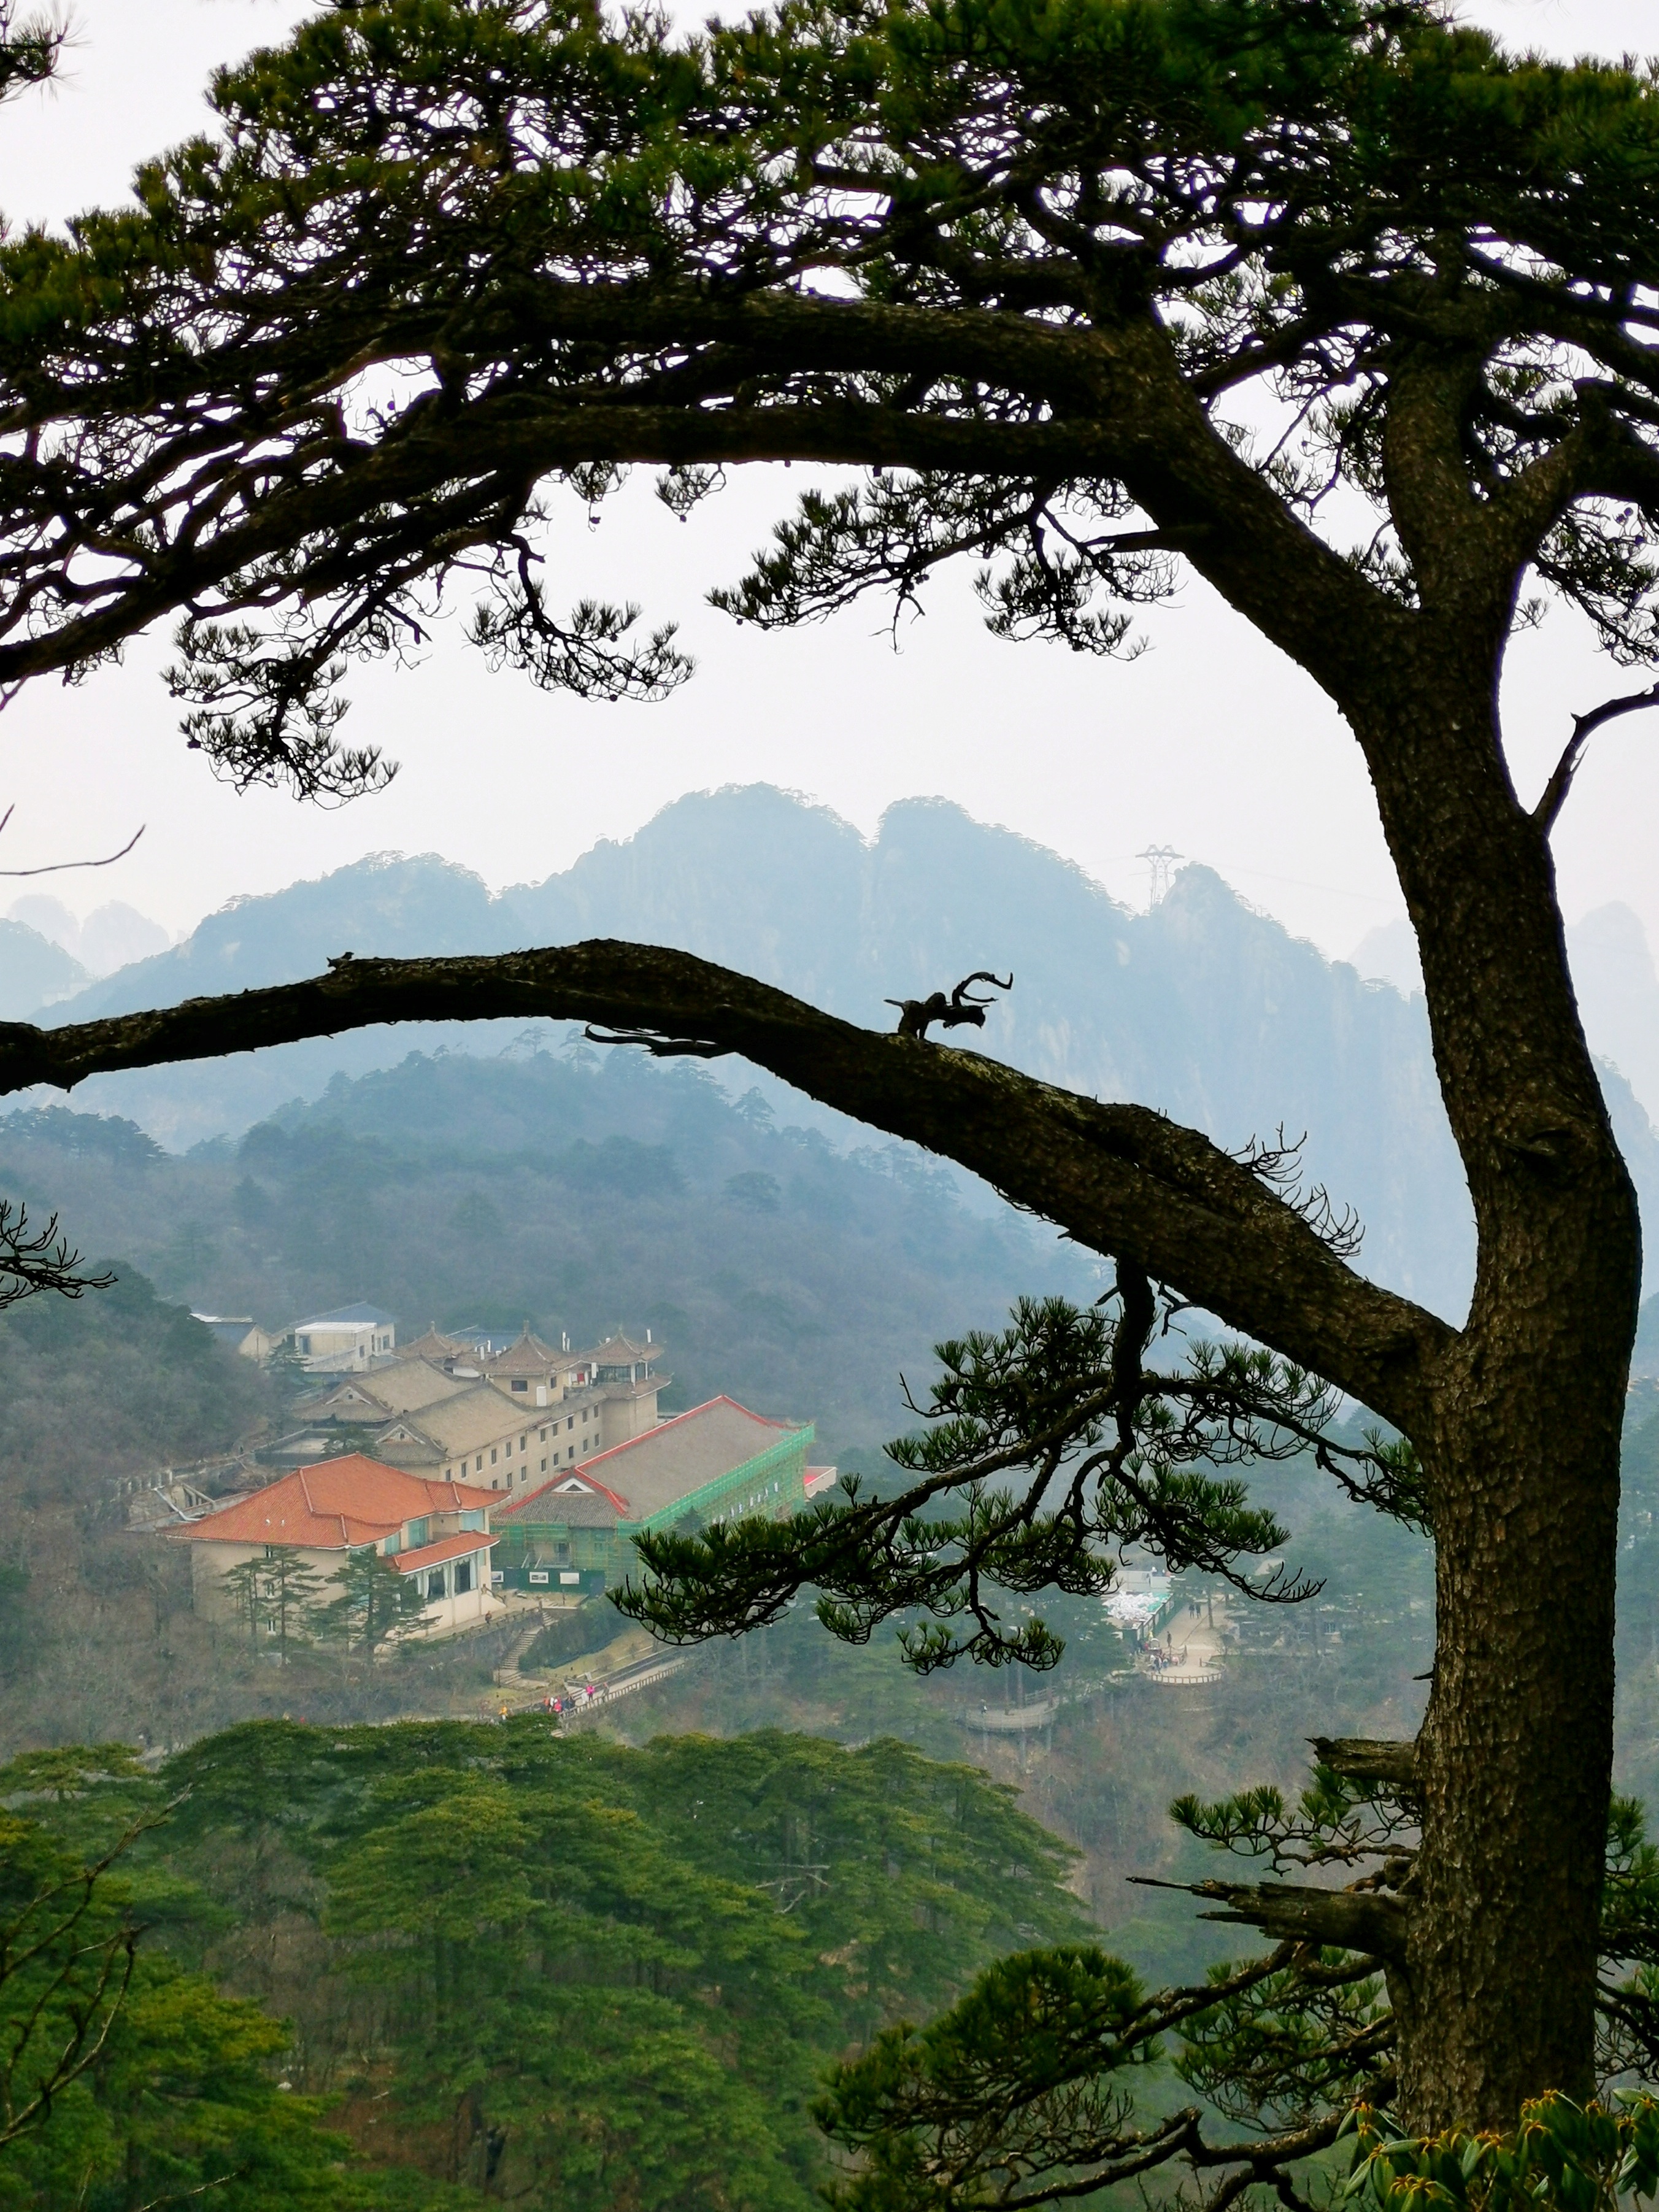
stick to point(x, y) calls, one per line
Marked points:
point(211, 1562)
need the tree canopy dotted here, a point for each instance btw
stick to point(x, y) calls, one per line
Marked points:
point(562, 1971)
point(1113, 285)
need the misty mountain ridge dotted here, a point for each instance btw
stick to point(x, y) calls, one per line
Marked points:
point(1203, 1007)
point(577, 1191)
point(47, 955)
point(1613, 971)
point(114, 935)
point(34, 973)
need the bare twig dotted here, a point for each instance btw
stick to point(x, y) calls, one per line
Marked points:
point(91, 2016)
point(1583, 728)
point(56, 867)
point(38, 1259)
point(201, 2189)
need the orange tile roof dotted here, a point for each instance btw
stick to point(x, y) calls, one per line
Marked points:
point(334, 1505)
point(446, 1547)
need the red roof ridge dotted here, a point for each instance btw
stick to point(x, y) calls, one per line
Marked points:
point(370, 1515)
point(621, 1504)
point(564, 1475)
point(615, 1496)
point(690, 1412)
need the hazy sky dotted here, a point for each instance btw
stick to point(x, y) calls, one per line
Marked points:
point(1209, 743)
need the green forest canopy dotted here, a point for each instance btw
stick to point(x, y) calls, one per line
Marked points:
point(585, 1974)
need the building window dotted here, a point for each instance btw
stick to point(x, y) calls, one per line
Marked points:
point(517, 1385)
point(437, 1583)
point(492, 1454)
point(571, 1422)
point(543, 1463)
point(571, 1453)
point(542, 1434)
point(522, 1440)
point(478, 1463)
point(463, 1577)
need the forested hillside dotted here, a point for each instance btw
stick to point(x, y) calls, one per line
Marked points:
point(429, 1966)
point(395, 1967)
point(576, 1975)
point(576, 1192)
point(1201, 1008)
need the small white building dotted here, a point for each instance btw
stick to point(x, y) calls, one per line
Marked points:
point(345, 1341)
point(1140, 1601)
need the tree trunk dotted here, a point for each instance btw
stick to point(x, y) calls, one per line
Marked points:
point(1515, 1759)
point(1521, 1443)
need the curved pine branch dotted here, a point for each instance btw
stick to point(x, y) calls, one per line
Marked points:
point(1117, 1178)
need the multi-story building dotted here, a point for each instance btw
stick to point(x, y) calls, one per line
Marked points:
point(606, 1395)
point(438, 1531)
point(347, 1341)
point(575, 1532)
point(622, 1371)
point(403, 1386)
point(349, 1413)
point(478, 1435)
point(507, 1420)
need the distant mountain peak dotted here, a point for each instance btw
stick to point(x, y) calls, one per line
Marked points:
point(1203, 1007)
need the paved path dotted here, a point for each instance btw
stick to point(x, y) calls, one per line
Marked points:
point(526, 1693)
point(1010, 1720)
point(1193, 1646)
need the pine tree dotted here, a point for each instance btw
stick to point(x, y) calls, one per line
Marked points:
point(1036, 270)
point(242, 1586)
point(374, 1604)
point(289, 1590)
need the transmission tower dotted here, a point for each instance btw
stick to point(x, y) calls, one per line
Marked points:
point(1160, 859)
